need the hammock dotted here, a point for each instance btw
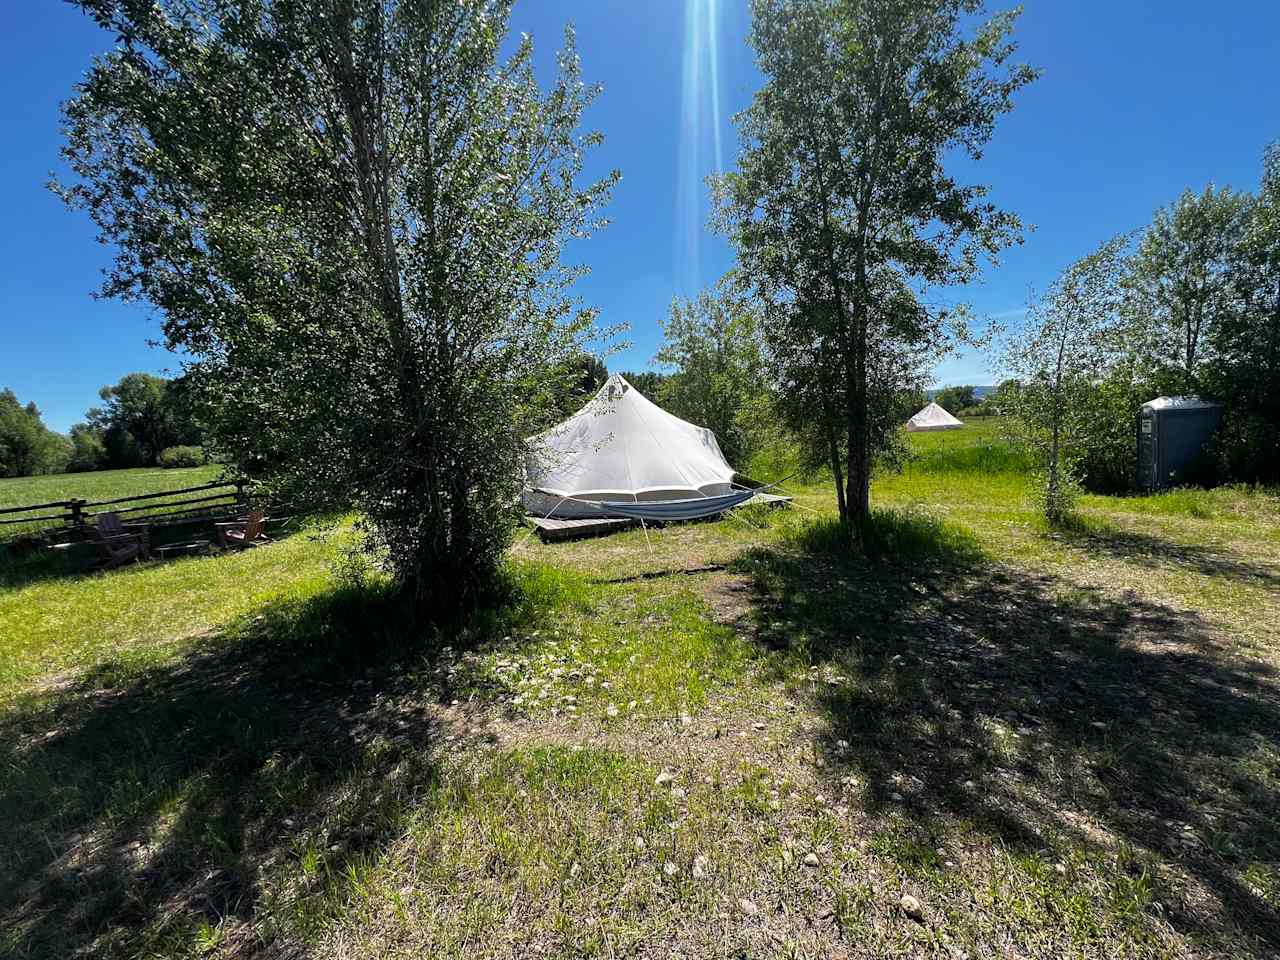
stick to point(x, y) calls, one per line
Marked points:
point(665, 510)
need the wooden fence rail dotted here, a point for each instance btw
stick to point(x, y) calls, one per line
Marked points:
point(157, 496)
point(162, 506)
point(34, 506)
point(52, 516)
point(75, 514)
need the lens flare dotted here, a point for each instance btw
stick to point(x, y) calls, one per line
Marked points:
point(701, 150)
point(713, 55)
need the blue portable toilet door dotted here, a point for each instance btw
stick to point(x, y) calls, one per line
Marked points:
point(1148, 451)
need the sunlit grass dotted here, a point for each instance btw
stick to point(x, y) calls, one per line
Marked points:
point(981, 446)
point(92, 486)
point(634, 650)
point(146, 612)
point(101, 484)
point(1228, 503)
point(904, 533)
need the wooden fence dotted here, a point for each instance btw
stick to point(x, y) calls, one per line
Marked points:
point(165, 508)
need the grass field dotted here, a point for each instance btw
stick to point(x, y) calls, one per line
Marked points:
point(101, 484)
point(989, 738)
point(94, 485)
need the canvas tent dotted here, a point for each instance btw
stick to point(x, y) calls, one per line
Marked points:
point(621, 447)
point(933, 417)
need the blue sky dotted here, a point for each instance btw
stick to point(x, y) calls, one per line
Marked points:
point(1138, 101)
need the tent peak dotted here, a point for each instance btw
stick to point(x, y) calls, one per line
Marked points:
point(934, 417)
point(622, 447)
point(615, 387)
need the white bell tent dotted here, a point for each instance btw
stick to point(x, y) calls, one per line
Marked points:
point(933, 417)
point(621, 447)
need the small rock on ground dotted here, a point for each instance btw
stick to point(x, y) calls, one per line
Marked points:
point(912, 907)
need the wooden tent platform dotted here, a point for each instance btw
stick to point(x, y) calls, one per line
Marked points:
point(550, 528)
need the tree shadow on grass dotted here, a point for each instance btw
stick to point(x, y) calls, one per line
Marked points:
point(141, 808)
point(26, 561)
point(1100, 536)
point(1037, 713)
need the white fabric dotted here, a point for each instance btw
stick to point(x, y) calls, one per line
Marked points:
point(661, 511)
point(623, 447)
point(933, 417)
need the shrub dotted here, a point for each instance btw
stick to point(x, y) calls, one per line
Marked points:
point(1247, 448)
point(182, 457)
point(1107, 446)
point(907, 534)
point(1055, 496)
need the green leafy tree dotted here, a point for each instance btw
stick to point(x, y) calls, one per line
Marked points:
point(27, 446)
point(648, 382)
point(808, 387)
point(88, 449)
point(1204, 317)
point(141, 416)
point(1181, 281)
point(955, 399)
point(583, 375)
point(842, 209)
point(1065, 347)
point(1245, 368)
point(1105, 458)
point(713, 348)
point(350, 216)
point(1003, 399)
point(1248, 343)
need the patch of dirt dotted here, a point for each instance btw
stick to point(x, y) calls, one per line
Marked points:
point(733, 600)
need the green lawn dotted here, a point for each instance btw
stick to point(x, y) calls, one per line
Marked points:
point(95, 485)
point(989, 739)
point(101, 484)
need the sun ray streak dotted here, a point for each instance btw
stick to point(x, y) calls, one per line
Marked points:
point(713, 50)
point(701, 150)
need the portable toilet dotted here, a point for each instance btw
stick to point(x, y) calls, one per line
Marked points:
point(1172, 432)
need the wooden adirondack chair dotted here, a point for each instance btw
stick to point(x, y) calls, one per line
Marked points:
point(117, 542)
point(242, 533)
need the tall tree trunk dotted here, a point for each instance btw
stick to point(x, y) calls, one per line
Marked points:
point(1193, 341)
point(361, 91)
point(858, 476)
point(1054, 477)
point(837, 474)
point(858, 490)
point(1054, 487)
point(855, 502)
